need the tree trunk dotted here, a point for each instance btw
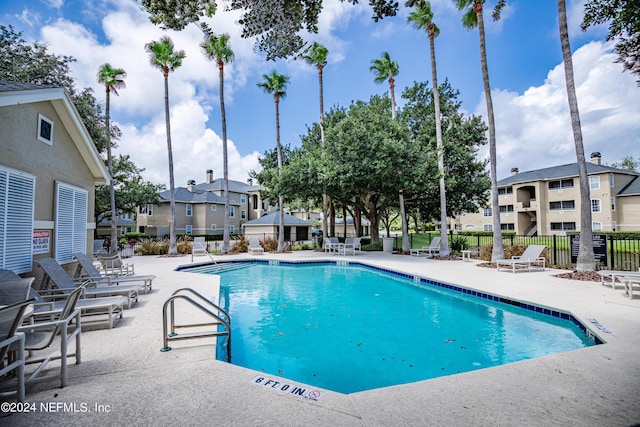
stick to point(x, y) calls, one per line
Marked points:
point(586, 258)
point(498, 251)
point(280, 198)
point(173, 248)
point(225, 163)
point(112, 190)
point(325, 227)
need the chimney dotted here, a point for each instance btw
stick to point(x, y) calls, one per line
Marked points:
point(596, 158)
point(209, 179)
point(191, 184)
point(250, 181)
point(514, 171)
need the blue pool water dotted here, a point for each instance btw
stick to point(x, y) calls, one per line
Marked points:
point(354, 328)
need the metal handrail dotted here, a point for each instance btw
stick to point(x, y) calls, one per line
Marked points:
point(169, 305)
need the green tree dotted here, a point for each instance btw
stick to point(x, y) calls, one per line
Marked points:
point(177, 14)
point(473, 18)
point(163, 56)
point(217, 49)
point(317, 55)
point(131, 190)
point(628, 163)
point(112, 79)
point(624, 26)
point(386, 69)
point(276, 84)
point(586, 259)
point(422, 18)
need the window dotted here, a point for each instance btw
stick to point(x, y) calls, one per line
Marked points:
point(232, 229)
point(17, 199)
point(595, 206)
point(614, 226)
point(487, 227)
point(243, 198)
point(613, 204)
point(561, 183)
point(594, 182)
point(189, 209)
point(146, 210)
point(45, 130)
point(469, 227)
point(612, 180)
point(232, 211)
point(505, 190)
point(71, 221)
point(214, 227)
point(596, 226)
point(243, 214)
point(563, 226)
point(214, 208)
point(507, 226)
point(188, 229)
point(125, 216)
point(563, 205)
point(487, 212)
point(506, 208)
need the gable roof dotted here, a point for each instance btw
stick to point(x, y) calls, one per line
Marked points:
point(15, 93)
point(183, 195)
point(632, 189)
point(234, 186)
point(274, 219)
point(556, 172)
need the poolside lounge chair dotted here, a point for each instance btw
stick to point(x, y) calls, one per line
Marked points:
point(94, 311)
point(55, 275)
point(331, 244)
point(98, 247)
point(350, 246)
point(616, 276)
point(531, 259)
point(434, 247)
point(84, 263)
point(10, 339)
point(113, 265)
point(629, 283)
point(41, 335)
point(254, 246)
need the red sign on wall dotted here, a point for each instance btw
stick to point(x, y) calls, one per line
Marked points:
point(41, 239)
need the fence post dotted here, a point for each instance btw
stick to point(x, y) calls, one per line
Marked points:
point(555, 250)
point(612, 251)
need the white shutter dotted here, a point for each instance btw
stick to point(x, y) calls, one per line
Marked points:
point(71, 221)
point(17, 195)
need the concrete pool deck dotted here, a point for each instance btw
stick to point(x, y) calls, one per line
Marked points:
point(124, 378)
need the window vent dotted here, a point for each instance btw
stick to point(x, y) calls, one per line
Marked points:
point(45, 130)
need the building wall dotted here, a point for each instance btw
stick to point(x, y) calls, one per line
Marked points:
point(628, 213)
point(60, 162)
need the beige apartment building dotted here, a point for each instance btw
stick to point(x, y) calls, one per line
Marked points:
point(200, 208)
point(547, 201)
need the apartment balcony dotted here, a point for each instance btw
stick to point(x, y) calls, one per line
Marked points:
point(531, 205)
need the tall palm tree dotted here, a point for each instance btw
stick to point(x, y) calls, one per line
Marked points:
point(386, 69)
point(586, 258)
point(317, 55)
point(422, 18)
point(216, 48)
point(473, 18)
point(112, 79)
point(163, 56)
point(276, 84)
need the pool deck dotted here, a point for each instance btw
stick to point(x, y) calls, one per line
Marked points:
point(124, 378)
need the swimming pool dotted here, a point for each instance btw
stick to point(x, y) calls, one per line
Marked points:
point(353, 327)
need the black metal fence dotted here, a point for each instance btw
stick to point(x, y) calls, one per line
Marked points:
point(620, 252)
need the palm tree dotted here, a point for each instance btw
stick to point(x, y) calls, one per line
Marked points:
point(317, 55)
point(385, 70)
point(586, 259)
point(112, 79)
point(163, 56)
point(422, 18)
point(276, 84)
point(217, 48)
point(473, 18)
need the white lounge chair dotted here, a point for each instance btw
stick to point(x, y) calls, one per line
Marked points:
point(617, 276)
point(434, 247)
point(113, 265)
point(331, 244)
point(254, 246)
point(350, 246)
point(84, 263)
point(531, 259)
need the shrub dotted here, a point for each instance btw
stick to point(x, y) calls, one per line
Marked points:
point(241, 245)
point(269, 244)
point(459, 243)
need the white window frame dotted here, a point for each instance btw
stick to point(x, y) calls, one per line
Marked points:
point(43, 119)
point(487, 212)
point(188, 229)
point(232, 211)
point(243, 198)
point(243, 214)
point(613, 204)
point(232, 229)
point(17, 202)
point(214, 227)
point(612, 180)
point(596, 206)
point(189, 209)
point(214, 208)
point(596, 226)
point(71, 211)
point(487, 227)
point(594, 182)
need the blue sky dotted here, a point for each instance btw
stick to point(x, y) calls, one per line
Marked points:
point(524, 60)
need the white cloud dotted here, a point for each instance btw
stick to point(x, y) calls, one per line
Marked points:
point(533, 129)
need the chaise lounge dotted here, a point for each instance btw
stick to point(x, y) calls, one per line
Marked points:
point(531, 259)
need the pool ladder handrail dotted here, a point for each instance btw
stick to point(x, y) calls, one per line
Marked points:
point(211, 309)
